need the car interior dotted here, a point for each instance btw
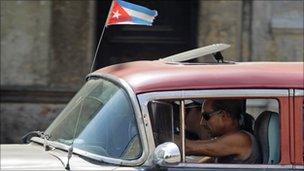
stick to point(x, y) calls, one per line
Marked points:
point(259, 117)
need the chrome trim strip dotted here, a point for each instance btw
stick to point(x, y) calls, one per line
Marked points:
point(82, 152)
point(172, 125)
point(182, 126)
point(299, 92)
point(235, 166)
point(146, 97)
point(298, 167)
point(291, 92)
point(51, 143)
point(236, 93)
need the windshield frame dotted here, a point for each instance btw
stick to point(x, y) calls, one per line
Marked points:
point(139, 120)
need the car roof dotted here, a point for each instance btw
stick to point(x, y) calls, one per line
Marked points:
point(149, 76)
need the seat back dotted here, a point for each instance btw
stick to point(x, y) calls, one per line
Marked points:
point(267, 132)
point(247, 122)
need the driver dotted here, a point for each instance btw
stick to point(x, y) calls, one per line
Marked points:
point(231, 144)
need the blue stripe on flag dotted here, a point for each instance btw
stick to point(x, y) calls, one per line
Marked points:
point(137, 8)
point(139, 21)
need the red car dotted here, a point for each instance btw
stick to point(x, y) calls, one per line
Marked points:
point(127, 116)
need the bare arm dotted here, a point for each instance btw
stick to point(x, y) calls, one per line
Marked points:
point(234, 144)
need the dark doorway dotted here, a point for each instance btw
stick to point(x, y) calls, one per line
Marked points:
point(174, 30)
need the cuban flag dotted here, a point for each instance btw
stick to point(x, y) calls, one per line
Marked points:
point(122, 12)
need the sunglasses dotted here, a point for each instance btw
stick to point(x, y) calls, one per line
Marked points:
point(207, 115)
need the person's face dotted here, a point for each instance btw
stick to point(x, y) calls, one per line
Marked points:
point(214, 122)
point(194, 124)
point(192, 116)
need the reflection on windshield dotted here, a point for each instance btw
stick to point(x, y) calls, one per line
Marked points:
point(101, 119)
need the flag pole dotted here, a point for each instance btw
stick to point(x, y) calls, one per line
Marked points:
point(93, 63)
point(100, 38)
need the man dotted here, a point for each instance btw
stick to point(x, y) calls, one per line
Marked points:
point(195, 130)
point(231, 144)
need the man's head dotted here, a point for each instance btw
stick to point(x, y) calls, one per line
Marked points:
point(192, 118)
point(222, 115)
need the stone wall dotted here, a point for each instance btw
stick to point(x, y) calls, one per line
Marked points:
point(72, 32)
point(277, 30)
point(25, 42)
point(219, 22)
point(19, 118)
point(257, 30)
point(46, 51)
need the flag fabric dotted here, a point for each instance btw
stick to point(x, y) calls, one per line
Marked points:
point(122, 12)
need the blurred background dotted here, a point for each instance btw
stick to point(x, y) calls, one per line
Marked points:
point(47, 46)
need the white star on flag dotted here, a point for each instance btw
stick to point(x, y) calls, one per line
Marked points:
point(116, 14)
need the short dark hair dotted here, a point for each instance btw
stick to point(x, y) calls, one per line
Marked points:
point(234, 107)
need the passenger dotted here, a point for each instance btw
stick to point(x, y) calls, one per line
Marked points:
point(231, 144)
point(196, 128)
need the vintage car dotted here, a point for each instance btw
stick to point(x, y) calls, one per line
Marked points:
point(126, 116)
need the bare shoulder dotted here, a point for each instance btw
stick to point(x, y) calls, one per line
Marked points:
point(239, 138)
point(238, 143)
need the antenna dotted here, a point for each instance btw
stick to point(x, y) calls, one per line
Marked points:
point(199, 52)
point(70, 151)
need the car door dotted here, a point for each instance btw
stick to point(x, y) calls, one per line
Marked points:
point(297, 126)
point(258, 98)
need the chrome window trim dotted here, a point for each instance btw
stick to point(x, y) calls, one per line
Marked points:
point(138, 117)
point(145, 98)
point(291, 92)
point(80, 152)
point(213, 93)
point(51, 143)
point(298, 167)
point(145, 150)
point(299, 92)
point(182, 130)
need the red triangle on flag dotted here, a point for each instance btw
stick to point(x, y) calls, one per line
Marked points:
point(117, 14)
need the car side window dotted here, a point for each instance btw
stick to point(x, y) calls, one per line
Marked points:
point(257, 106)
point(258, 117)
point(266, 127)
point(165, 122)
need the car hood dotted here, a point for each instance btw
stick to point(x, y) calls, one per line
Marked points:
point(28, 157)
point(33, 157)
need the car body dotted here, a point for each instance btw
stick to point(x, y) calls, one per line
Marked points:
point(114, 105)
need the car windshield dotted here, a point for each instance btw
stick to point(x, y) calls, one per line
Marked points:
point(100, 119)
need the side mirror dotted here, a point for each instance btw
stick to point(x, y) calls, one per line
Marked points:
point(167, 153)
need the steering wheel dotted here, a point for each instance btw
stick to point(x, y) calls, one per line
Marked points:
point(197, 159)
point(204, 159)
point(131, 145)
